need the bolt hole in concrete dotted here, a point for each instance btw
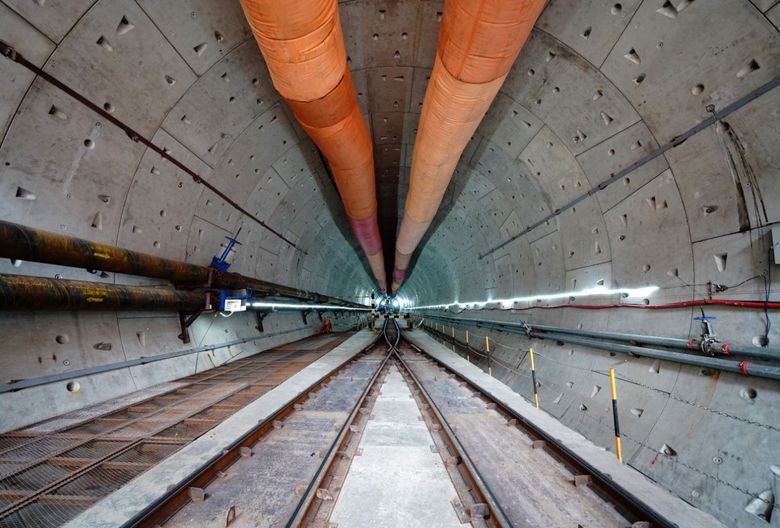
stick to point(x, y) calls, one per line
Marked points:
point(73, 386)
point(62, 339)
point(748, 393)
point(616, 9)
point(761, 341)
point(89, 143)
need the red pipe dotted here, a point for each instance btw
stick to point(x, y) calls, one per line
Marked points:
point(668, 306)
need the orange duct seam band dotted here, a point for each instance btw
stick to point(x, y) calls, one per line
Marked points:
point(328, 110)
point(278, 20)
point(479, 41)
point(302, 44)
point(345, 144)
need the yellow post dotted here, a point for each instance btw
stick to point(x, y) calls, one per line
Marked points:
point(533, 376)
point(490, 371)
point(453, 331)
point(467, 337)
point(487, 344)
point(618, 449)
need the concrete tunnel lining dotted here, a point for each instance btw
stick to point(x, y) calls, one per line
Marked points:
point(596, 88)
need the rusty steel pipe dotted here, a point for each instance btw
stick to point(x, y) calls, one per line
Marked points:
point(20, 292)
point(18, 242)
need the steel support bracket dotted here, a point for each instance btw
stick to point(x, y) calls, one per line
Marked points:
point(260, 315)
point(305, 315)
point(185, 320)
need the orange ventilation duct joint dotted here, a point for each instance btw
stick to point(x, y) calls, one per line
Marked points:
point(478, 42)
point(303, 46)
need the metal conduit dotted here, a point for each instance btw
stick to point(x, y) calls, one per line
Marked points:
point(739, 367)
point(725, 348)
point(747, 368)
point(18, 242)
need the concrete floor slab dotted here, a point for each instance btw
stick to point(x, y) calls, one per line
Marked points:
point(398, 480)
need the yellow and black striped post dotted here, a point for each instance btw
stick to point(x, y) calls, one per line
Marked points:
point(618, 449)
point(373, 312)
point(487, 349)
point(533, 376)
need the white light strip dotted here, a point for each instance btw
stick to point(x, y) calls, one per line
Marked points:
point(632, 293)
point(283, 306)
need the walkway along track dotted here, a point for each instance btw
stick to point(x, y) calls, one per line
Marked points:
point(290, 470)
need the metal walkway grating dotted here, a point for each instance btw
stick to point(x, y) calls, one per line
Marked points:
point(48, 478)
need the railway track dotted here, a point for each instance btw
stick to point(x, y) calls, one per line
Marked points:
point(295, 469)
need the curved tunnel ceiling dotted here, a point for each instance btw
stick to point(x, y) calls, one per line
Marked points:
point(598, 86)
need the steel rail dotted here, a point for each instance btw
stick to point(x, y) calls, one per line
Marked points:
point(176, 497)
point(618, 494)
point(303, 508)
point(496, 511)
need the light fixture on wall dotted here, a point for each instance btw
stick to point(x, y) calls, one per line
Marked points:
point(626, 293)
point(290, 306)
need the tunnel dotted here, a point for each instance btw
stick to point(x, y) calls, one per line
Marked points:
point(389, 263)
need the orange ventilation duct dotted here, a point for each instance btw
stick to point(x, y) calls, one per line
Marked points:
point(478, 42)
point(303, 46)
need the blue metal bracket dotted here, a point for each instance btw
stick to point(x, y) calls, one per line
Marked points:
point(220, 262)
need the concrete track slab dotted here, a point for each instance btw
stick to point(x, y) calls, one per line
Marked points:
point(397, 480)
